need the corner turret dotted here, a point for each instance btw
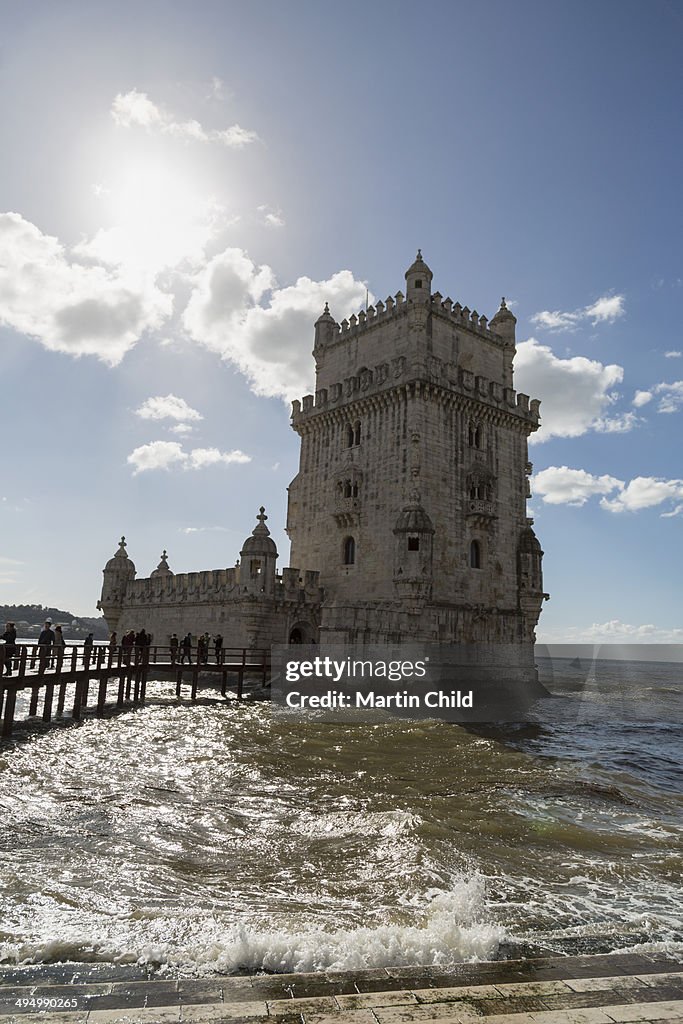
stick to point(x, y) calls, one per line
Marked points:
point(418, 281)
point(325, 328)
point(414, 532)
point(503, 323)
point(162, 570)
point(258, 558)
point(117, 573)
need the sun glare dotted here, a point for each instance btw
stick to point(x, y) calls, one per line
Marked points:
point(158, 218)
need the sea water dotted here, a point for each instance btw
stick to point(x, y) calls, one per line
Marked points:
point(233, 837)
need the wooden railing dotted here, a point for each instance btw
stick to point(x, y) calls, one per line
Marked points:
point(48, 669)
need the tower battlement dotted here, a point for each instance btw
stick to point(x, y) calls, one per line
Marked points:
point(397, 305)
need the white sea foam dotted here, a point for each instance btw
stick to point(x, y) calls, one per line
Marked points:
point(452, 928)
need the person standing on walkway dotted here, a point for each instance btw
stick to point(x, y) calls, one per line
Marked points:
point(186, 649)
point(10, 638)
point(87, 650)
point(59, 645)
point(140, 643)
point(45, 643)
point(174, 643)
point(127, 641)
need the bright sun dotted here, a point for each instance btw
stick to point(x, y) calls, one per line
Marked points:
point(158, 218)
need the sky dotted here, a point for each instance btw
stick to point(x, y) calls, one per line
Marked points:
point(183, 187)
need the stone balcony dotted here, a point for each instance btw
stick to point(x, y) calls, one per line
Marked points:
point(480, 507)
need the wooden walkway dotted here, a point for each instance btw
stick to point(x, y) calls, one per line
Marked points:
point(610, 989)
point(117, 677)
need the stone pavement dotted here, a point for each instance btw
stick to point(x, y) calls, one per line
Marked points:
point(612, 989)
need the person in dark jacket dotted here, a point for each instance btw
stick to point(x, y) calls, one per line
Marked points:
point(87, 650)
point(10, 638)
point(45, 643)
point(174, 643)
point(140, 642)
point(186, 649)
point(218, 647)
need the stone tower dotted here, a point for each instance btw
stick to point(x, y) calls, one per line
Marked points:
point(411, 492)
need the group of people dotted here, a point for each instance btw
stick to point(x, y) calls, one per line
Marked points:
point(132, 645)
point(51, 643)
point(51, 647)
point(181, 650)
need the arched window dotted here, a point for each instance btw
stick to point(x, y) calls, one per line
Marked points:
point(475, 555)
point(347, 489)
point(349, 551)
point(349, 436)
point(356, 432)
point(477, 437)
point(470, 434)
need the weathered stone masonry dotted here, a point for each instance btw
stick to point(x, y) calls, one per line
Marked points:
point(408, 513)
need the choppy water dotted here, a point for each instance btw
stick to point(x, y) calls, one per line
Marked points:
point(227, 838)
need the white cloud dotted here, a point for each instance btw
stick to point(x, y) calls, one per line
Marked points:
point(555, 320)
point(674, 512)
point(167, 454)
point(612, 632)
point(217, 89)
point(672, 396)
point(673, 355)
point(157, 455)
point(201, 457)
point(620, 424)
point(168, 407)
point(575, 392)
point(69, 307)
point(136, 109)
point(560, 485)
point(181, 428)
point(271, 218)
point(203, 529)
point(270, 343)
point(606, 309)
point(644, 492)
point(641, 398)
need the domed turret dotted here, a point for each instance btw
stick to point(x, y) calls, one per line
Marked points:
point(325, 328)
point(121, 563)
point(418, 280)
point(117, 573)
point(162, 569)
point(529, 543)
point(503, 323)
point(258, 557)
point(414, 532)
point(413, 519)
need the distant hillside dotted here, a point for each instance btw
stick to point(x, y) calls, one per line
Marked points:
point(29, 618)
